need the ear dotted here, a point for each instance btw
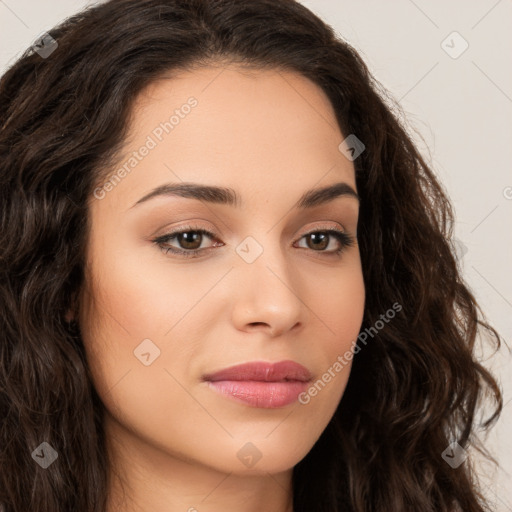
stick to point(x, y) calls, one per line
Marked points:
point(69, 316)
point(72, 312)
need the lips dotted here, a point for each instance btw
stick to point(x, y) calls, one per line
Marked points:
point(260, 384)
point(282, 371)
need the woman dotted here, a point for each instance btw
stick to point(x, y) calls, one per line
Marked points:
point(210, 221)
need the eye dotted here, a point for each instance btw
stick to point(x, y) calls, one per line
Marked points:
point(320, 240)
point(190, 240)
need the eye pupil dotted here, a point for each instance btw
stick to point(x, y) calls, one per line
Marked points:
point(189, 239)
point(321, 237)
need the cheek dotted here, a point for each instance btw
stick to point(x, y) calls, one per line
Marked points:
point(139, 294)
point(340, 306)
point(138, 312)
point(135, 370)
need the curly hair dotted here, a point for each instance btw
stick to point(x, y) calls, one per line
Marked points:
point(413, 390)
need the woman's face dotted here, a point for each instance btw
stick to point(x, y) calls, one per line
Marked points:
point(261, 289)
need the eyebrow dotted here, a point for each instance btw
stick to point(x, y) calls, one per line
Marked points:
point(228, 196)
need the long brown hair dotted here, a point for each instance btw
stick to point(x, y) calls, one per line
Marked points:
point(414, 388)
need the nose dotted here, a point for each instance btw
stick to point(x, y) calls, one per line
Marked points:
point(267, 295)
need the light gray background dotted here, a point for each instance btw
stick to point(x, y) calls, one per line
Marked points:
point(460, 111)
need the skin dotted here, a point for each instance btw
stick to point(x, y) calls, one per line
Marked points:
point(271, 136)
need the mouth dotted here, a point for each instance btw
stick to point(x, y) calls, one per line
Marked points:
point(261, 384)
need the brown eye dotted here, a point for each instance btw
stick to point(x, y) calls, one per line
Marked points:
point(190, 240)
point(185, 242)
point(319, 240)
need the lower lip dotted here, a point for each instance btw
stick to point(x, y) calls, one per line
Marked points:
point(268, 395)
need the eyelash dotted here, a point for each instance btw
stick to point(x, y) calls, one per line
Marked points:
point(343, 238)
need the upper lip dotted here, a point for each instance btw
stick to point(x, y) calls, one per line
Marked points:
point(281, 371)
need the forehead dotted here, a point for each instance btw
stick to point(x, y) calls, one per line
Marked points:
point(226, 125)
